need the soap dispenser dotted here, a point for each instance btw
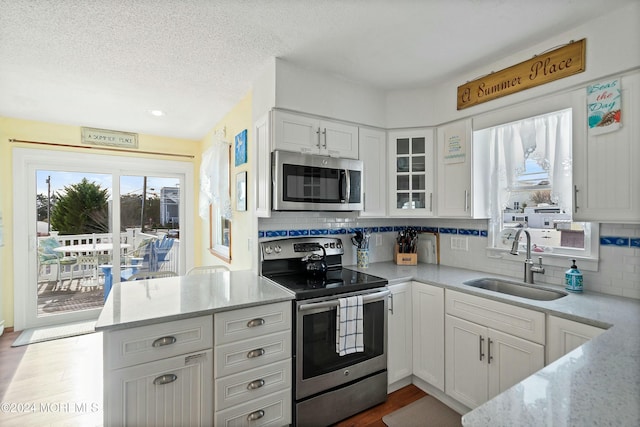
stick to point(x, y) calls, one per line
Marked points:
point(573, 278)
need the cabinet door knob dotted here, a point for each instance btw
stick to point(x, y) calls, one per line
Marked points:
point(165, 379)
point(255, 384)
point(255, 353)
point(160, 342)
point(255, 415)
point(255, 322)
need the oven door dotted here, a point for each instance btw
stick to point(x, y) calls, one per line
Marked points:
point(318, 366)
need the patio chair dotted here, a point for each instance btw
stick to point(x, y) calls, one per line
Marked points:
point(47, 256)
point(87, 268)
point(206, 269)
point(151, 275)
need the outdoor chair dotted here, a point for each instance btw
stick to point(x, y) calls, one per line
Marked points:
point(47, 256)
point(205, 269)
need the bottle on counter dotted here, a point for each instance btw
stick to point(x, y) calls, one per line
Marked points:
point(573, 278)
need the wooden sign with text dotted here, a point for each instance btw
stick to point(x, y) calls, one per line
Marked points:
point(547, 67)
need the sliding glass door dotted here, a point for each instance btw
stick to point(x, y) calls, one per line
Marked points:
point(91, 221)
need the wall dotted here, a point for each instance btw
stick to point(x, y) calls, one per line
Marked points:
point(613, 46)
point(242, 226)
point(61, 134)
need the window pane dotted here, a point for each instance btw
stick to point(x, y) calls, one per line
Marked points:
point(402, 146)
point(402, 164)
point(417, 164)
point(417, 145)
point(403, 182)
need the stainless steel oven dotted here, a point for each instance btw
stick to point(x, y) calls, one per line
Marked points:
point(319, 368)
point(329, 387)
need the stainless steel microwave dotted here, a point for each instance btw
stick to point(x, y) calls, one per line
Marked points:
point(308, 182)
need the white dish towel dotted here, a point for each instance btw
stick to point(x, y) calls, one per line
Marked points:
point(349, 338)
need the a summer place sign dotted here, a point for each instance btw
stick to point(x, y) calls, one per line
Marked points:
point(553, 65)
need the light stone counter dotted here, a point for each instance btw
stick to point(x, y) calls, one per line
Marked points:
point(595, 384)
point(146, 302)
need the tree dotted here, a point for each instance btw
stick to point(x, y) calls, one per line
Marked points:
point(81, 208)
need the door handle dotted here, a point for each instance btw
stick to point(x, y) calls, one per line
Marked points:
point(165, 379)
point(481, 353)
point(489, 353)
point(255, 322)
point(324, 132)
point(161, 342)
point(255, 384)
point(255, 353)
point(255, 415)
point(575, 198)
point(391, 303)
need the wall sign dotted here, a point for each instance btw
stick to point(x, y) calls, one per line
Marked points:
point(604, 102)
point(91, 136)
point(544, 68)
point(455, 146)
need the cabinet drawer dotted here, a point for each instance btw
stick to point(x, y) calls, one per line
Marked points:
point(272, 410)
point(248, 354)
point(518, 321)
point(251, 322)
point(154, 342)
point(240, 388)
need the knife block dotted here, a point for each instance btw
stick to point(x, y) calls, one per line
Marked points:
point(404, 259)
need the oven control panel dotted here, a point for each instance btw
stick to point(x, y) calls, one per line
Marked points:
point(300, 247)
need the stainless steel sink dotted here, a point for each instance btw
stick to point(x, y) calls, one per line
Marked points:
point(516, 289)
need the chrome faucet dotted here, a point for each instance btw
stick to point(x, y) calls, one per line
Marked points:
point(529, 267)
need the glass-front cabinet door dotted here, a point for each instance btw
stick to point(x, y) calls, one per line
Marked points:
point(411, 167)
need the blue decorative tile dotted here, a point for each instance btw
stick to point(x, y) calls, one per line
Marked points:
point(443, 230)
point(399, 228)
point(260, 234)
point(276, 233)
point(634, 242)
point(298, 233)
point(430, 229)
point(468, 232)
point(614, 241)
point(334, 231)
point(318, 232)
point(483, 233)
point(386, 229)
point(354, 229)
point(374, 229)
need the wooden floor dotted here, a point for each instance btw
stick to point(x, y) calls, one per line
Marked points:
point(59, 383)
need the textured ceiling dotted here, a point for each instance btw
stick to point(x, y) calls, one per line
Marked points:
point(106, 63)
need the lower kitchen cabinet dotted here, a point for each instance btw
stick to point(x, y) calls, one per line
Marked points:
point(564, 335)
point(400, 337)
point(428, 333)
point(482, 360)
point(174, 391)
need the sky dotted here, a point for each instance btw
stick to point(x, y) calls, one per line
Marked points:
point(129, 184)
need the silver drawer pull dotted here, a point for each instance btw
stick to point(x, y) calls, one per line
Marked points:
point(160, 342)
point(255, 384)
point(255, 415)
point(255, 353)
point(255, 322)
point(165, 379)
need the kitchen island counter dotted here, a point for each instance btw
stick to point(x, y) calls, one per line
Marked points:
point(145, 302)
point(598, 383)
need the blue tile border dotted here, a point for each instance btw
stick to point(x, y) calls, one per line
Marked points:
point(635, 243)
point(484, 233)
point(275, 233)
point(468, 232)
point(319, 232)
point(380, 229)
point(335, 231)
point(385, 229)
point(443, 230)
point(614, 241)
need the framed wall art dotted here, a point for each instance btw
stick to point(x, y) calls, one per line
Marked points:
point(241, 148)
point(241, 191)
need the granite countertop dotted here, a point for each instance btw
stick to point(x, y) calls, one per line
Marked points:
point(146, 302)
point(595, 384)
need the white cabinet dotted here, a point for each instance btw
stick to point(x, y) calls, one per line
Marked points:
point(564, 335)
point(455, 196)
point(411, 173)
point(262, 162)
point(428, 334)
point(252, 367)
point(308, 134)
point(606, 175)
point(159, 374)
point(485, 349)
point(373, 153)
point(400, 337)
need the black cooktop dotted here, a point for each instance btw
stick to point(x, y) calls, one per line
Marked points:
point(336, 281)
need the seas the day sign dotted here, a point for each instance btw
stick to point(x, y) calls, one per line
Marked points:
point(604, 102)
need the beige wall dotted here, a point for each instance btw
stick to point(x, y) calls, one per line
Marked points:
point(69, 135)
point(242, 229)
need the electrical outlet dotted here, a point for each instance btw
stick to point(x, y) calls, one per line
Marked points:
point(460, 243)
point(378, 240)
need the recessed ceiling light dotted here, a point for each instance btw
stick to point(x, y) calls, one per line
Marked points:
point(157, 113)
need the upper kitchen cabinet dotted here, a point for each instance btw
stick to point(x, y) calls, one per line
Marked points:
point(262, 165)
point(411, 173)
point(312, 135)
point(458, 167)
point(373, 153)
point(606, 175)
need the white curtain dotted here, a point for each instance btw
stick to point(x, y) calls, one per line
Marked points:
point(546, 140)
point(214, 180)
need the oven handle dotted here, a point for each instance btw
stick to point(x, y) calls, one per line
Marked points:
point(334, 302)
